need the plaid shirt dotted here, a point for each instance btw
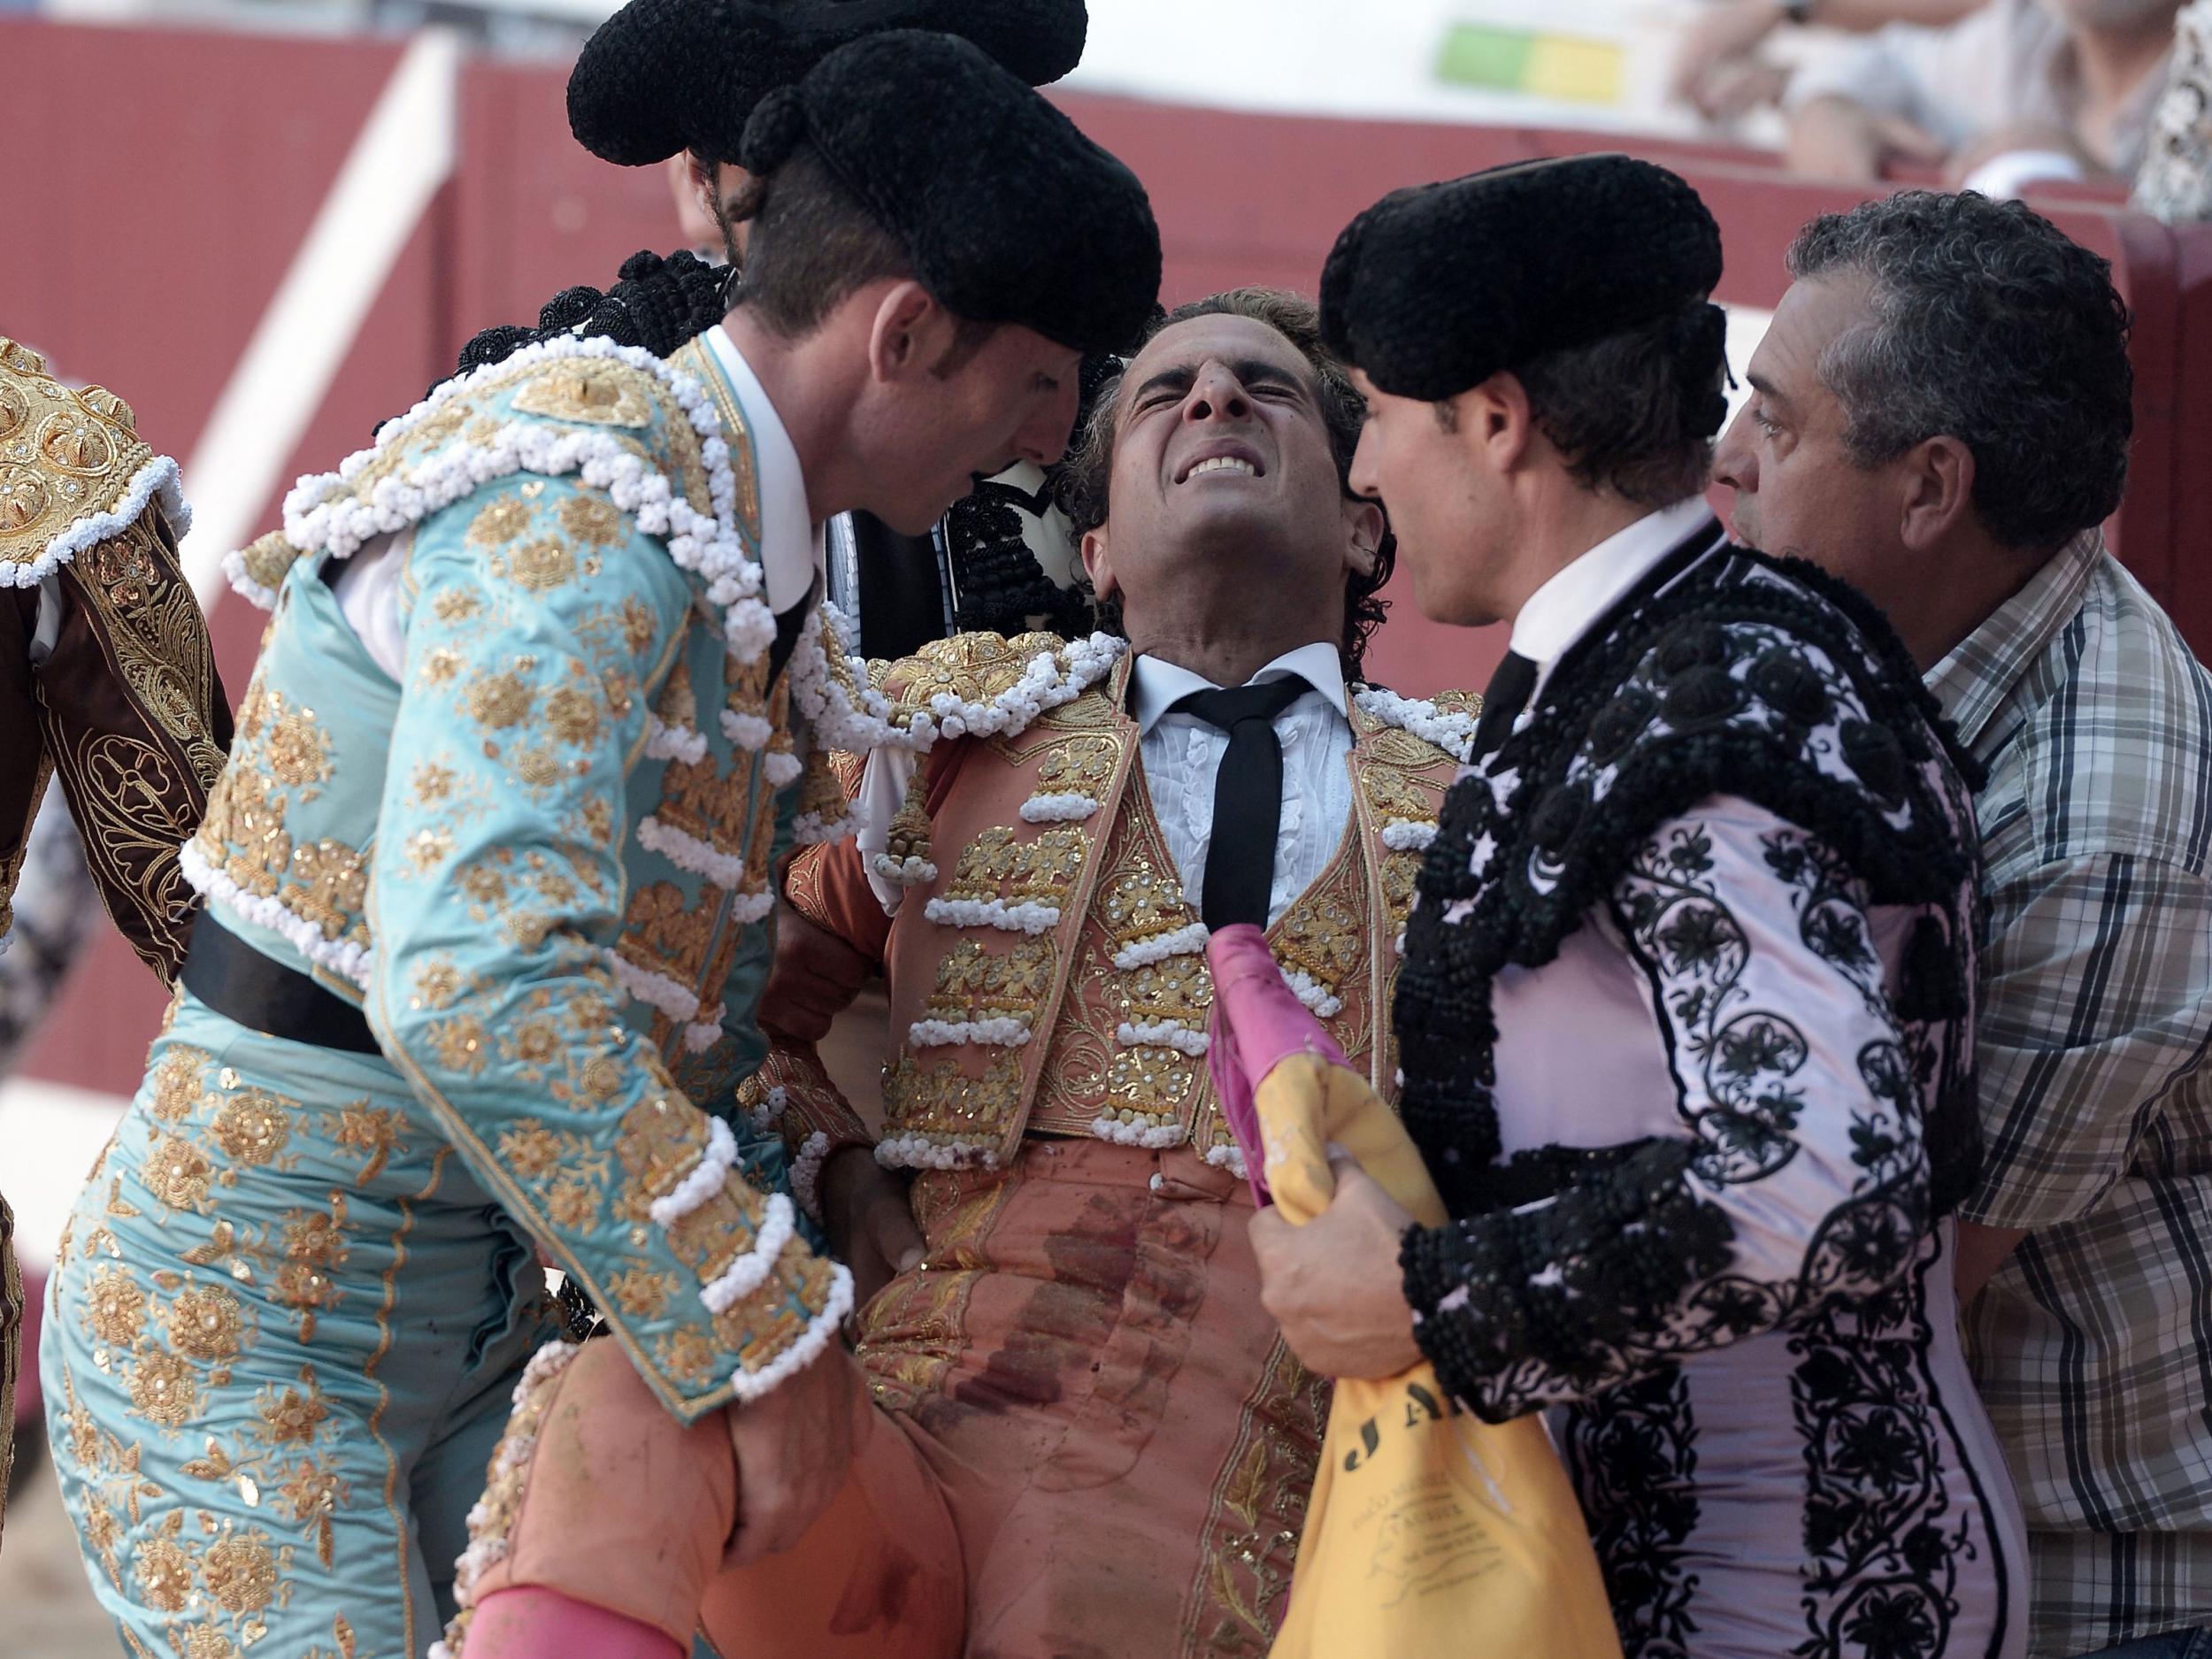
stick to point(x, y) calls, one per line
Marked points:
point(2093, 1342)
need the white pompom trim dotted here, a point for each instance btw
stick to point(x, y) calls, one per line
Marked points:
point(920, 1152)
point(254, 593)
point(320, 515)
point(747, 1274)
point(1453, 733)
point(656, 991)
point(515, 1450)
point(1163, 1033)
point(663, 741)
point(746, 731)
point(751, 906)
point(1155, 1136)
point(346, 958)
point(1183, 942)
point(810, 829)
point(806, 1173)
point(688, 852)
point(906, 873)
point(1057, 809)
point(1050, 678)
point(157, 477)
point(1407, 835)
point(704, 1032)
point(782, 768)
point(1001, 1031)
point(773, 1103)
point(1023, 918)
point(706, 1179)
point(1230, 1157)
point(1323, 1002)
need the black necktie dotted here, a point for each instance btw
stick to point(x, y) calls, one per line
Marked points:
point(1247, 797)
point(1503, 698)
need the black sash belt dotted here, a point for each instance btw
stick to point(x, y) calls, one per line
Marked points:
point(234, 979)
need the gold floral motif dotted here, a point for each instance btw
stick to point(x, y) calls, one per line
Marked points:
point(298, 748)
point(240, 1573)
point(1048, 865)
point(639, 628)
point(177, 1080)
point(685, 1357)
point(206, 1324)
point(1179, 990)
point(437, 982)
point(291, 1417)
point(498, 700)
point(454, 605)
point(441, 665)
point(592, 520)
point(371, 1132)
point(1082, 765)
point(1325, 937)
point(1142, 905)
point(459, 1044)
point(177, 1173)
point(1146, 1079)
point(529, 1150)
point(573, 717)
point(253, 1125)
point(164, 1572)
point(115, 1306)
point(163, 1389)
point(432, 782)
point(973, 983)
point(642, 1294)
point(540, 566)
point(500, 522)
point(985, 865)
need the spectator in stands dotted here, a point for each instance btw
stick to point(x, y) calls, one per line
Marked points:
point(1719, 71)
point(1940, 413)
point(2018, 91)
point(2174, 183)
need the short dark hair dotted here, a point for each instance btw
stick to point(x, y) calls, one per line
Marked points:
point(1087, 475)
point(812, 245)
point(1990, 326)
point(1635, 412)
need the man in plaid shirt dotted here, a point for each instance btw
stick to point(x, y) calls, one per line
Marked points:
point(1940, 414)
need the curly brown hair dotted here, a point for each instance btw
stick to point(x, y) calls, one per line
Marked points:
point(1084, 476)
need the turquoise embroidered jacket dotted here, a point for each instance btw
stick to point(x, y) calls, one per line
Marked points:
point(540, 860)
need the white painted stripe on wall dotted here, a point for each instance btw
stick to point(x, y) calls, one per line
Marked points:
point(404, 152)
point(52, 1133)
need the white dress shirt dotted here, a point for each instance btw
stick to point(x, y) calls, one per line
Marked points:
point(1180, 754)
point(790, 541)
point(1560, 611)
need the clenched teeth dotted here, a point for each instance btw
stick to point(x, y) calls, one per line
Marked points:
point(1223, 463)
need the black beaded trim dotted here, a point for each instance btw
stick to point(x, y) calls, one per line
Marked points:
point(1555, 853)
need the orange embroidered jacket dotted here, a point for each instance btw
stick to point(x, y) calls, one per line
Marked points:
point(1047, 972)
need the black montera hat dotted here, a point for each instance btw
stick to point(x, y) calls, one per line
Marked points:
point(1435, 288)
point(1008, 211)
point(661, 76)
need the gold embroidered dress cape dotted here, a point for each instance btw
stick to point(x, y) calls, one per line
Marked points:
point(294, 1299)
point(106, 679)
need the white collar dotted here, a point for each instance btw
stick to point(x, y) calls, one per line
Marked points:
point(1562, 611)
point(790, 541)
point(1157, 685)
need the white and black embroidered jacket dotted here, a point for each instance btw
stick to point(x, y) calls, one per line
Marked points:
point(1734, 791)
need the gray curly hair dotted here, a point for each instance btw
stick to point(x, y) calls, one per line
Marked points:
point(1989, 326)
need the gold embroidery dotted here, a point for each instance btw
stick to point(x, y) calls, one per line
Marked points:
point(500, 523)
point(943, 1103)
point(974, 984)
point(498, 700)
point(454, 605)
point(592, 520)
point(596, 394)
